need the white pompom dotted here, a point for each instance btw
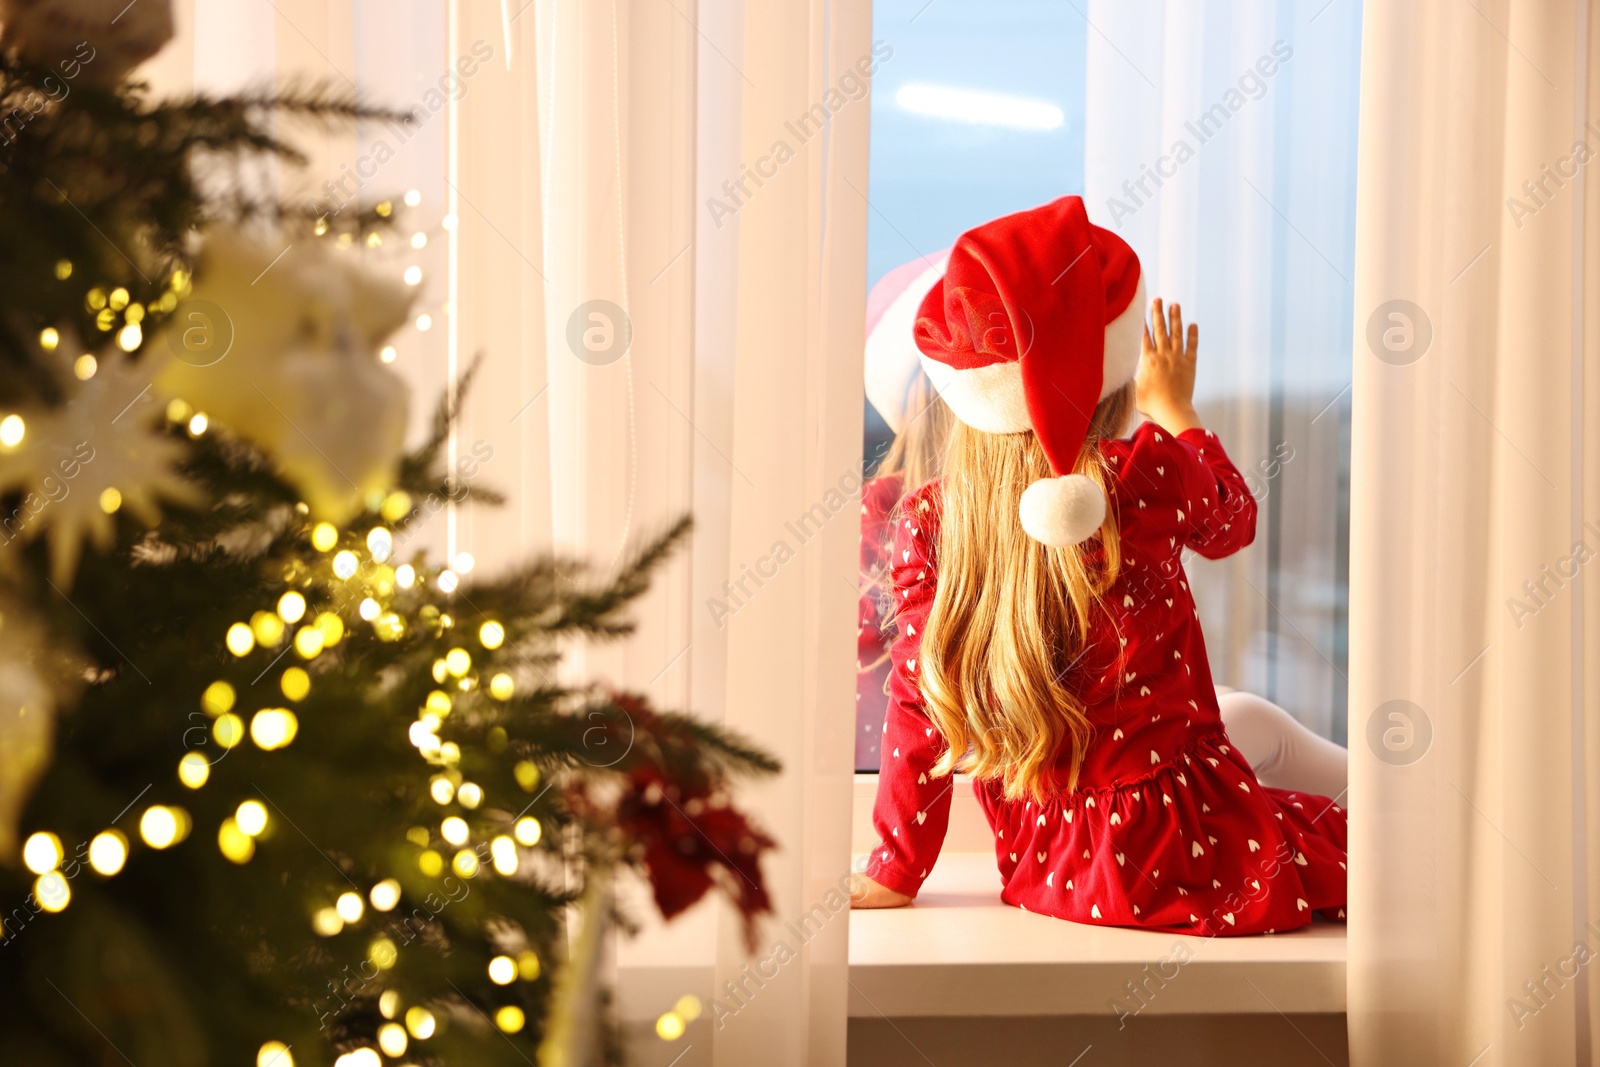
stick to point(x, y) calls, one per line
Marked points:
point(1062, 511)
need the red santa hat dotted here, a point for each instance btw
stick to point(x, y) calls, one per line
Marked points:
point(892, 360)
point(1037, 319)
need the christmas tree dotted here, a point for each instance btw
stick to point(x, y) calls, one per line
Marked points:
point(275, 788)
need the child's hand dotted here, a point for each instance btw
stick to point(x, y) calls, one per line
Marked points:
point(865, 893)
point(1165, 383)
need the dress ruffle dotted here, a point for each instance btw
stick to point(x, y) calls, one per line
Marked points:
point(1149, 850)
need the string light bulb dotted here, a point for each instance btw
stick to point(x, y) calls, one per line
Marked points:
point(295, 683)
point(502, 970)
point(274, 1054)
point(251, 816)
point(308, 641)
point(193, 770)
point(219, 696)
point(240, 640)
point(420, 1022)
point(235, 845)
point(669, 1027)
point(491, 635)
point(325, 922)
point(392, 1039)
point(349, 907)
point(228, 730)
point(324, 536)
point(380, 542)
point(291, 606)
point(12, 431)
point(108, 851)
point(510, 1018)
point(42, 852)
point(385, 895)
point(52, 891)
point(162, 827)
point(273, 728)
point(503, 853)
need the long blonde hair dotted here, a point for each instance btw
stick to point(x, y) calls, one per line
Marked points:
point(1011, 614)
point(917, 451)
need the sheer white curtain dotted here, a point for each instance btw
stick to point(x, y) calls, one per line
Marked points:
point(1220, 143)
point(1475, 613)
point(567, 176)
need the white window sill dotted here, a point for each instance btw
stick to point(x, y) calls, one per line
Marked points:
point(959, 951)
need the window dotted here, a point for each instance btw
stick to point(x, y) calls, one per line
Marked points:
point(1221, 146)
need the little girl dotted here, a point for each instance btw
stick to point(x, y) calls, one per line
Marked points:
point(1048, 643)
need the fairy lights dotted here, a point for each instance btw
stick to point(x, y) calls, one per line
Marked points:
point(324, 536)
point(162, 827)
point(234, 844)
point(219, 696)
point(385, 895)
point(349, 907)
point(251, 816)
point(108, 851)
point(392, 1039)
point(420, 1022)
point(12, 430)
point(274, 1054)
point(491, 635)
point(193, 770)
point(273, 728)
point(42, 853)
point(291, 607)
point(240, 640)
point(295, 683)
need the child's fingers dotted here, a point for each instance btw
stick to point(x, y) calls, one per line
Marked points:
point(1175, 313)
point(1194, 341)
point(1158, 323)
point(1147, 345)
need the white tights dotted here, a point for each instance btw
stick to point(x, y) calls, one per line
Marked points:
point(1283, 753)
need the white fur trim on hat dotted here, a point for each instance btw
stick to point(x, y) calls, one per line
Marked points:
point(891, 350)
point(1124, 342)
point(1062, 511)
point(992, 399)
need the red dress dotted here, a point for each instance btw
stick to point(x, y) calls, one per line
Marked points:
point(878, 498)
point(1168, 827)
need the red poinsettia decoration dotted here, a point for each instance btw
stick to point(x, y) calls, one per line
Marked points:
point(690, 839)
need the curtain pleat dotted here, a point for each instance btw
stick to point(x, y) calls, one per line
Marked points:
point(1473, 606)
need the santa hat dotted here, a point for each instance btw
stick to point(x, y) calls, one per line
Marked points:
point(1038, 319)
point(892, 359)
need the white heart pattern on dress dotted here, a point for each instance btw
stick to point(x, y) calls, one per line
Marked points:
point(922, 817)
